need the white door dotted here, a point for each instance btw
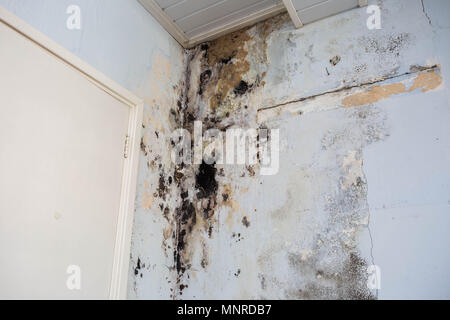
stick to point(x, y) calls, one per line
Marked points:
point(61, 166)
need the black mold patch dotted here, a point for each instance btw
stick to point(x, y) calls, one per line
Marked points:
point(186, 220)
point(143, 147)
point(205, 180)
point(335, 60)
point(226, 60)
point(162, 189)
point(138, 267)
point(204, 79)
point(187, 213)
point(392, 44)
point(241, 88)
point(347, 284)
point(245, 222)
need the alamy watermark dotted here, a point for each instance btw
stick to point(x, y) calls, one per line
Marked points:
point(374, 277)
point(374, 20)
point(74, 20)
point(73, 281)
point(234, 147)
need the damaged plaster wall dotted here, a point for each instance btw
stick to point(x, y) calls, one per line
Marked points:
point(364, 152)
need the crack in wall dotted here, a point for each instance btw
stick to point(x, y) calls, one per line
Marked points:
point(425, 13)
point(413, 70)
point(370, 234)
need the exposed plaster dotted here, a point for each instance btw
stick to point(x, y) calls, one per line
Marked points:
point(426, 81)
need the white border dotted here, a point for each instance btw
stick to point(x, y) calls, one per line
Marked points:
point(119, 280)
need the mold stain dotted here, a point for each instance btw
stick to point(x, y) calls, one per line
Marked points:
point(222, 81)
point(245, 222)
point(206, 180)
point(228, 56)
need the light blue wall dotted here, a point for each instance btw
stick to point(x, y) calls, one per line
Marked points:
point(118, 37)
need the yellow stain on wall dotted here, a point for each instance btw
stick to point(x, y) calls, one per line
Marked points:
point(147, 198)
point(426, 81)
point(374, 94)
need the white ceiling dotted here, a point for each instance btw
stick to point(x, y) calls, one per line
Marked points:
point(193, 21)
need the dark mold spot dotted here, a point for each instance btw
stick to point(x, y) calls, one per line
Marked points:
point(138, 267)
point(245, 222)
point(186, 220)
point(187, 212)
point(241, 88)
point(143, 147)
point(335, 60)
point(162, 189)
point(166, 213)
point(205, 180)
point(251, 171)
point(226, 60)
point(204, 79)
point(348, 284)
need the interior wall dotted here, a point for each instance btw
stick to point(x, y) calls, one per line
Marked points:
point(364, 152)
point(122, 40)
point(364, 137)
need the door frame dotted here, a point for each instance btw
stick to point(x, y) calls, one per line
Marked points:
point(119, 279)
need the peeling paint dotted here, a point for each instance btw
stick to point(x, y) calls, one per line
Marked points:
point(375, 94)
point(426, 81)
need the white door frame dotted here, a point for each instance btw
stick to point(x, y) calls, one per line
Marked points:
point(118, 287)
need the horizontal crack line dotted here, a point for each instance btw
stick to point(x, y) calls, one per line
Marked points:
point(414, 70)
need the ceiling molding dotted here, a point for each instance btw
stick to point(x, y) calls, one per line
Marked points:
point(293, 13)
point(202, 23)
point(238, 24)
point(165, 21)
point(188, 42)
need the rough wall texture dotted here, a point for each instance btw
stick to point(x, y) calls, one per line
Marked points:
point(334, 89)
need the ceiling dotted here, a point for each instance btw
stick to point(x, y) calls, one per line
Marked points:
point(194, 21)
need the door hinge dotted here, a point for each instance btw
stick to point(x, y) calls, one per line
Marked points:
point(126, 148)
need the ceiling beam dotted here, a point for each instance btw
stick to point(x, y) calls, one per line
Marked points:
point(293, 13)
